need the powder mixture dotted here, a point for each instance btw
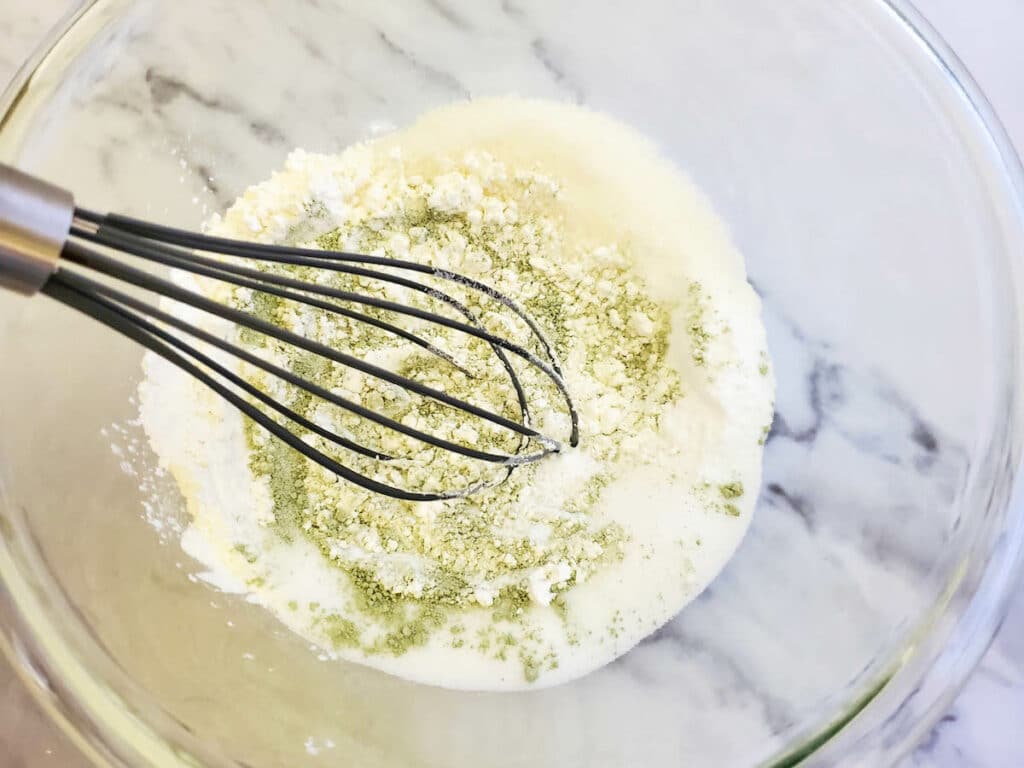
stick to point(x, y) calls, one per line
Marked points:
point(568, 562)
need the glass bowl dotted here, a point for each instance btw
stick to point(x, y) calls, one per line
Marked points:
point(878, 205)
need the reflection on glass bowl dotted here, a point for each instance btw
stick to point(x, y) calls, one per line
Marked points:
point(877, 203)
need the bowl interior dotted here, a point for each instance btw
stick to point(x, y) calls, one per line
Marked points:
point(851, 173)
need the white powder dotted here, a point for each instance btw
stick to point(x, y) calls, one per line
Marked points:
point(681, 482)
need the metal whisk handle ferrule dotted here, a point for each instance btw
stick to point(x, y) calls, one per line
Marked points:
point(35, 221)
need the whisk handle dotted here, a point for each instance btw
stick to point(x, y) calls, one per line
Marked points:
point(35, 220)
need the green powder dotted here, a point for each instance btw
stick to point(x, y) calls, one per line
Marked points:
point(409, 635)
point(731, 490)
point(700, 337)
point(249, 556)
point(531, 667)
point(617, 625)
point(560, 607)
point(285, 470)
point(600, 314)
point(512, 602)
point(372, 598)
point(342, 632)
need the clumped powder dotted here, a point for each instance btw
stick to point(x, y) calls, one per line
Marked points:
point(656, 339)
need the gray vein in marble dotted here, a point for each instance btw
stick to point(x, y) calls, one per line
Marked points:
point(928, 745)
point(829, 385)
point(542, 52)
point(305, 38)
point(512, 9)
point(311, 47)
point(107, 154)
point(164, 89)
point(449, 14)
point(209, 180)
point(925, 438)
point(434, 75)
point(833, 400)
point(776, 495)
point(673, 638)
point(121, 103)
point(999, 677)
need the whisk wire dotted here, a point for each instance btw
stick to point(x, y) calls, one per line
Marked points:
point(137, 329)
point(296, 380)
point(108, 234)
point(175, 257)
point(252, 279)
point(297, 256)
point(78, 254)
point(66, 280)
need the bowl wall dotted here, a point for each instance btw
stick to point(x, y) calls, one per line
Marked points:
point(879, 221)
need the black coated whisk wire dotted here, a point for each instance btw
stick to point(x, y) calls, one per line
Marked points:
point(148, 325)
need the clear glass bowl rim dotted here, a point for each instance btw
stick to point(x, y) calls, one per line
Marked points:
point(921, 687)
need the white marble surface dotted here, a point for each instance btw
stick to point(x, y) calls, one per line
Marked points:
point(975, 733)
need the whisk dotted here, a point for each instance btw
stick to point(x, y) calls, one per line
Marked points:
point(78, 257)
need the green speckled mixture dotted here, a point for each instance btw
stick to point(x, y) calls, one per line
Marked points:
point(414, 568)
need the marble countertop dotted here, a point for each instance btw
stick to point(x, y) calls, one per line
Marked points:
point(976, 730)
